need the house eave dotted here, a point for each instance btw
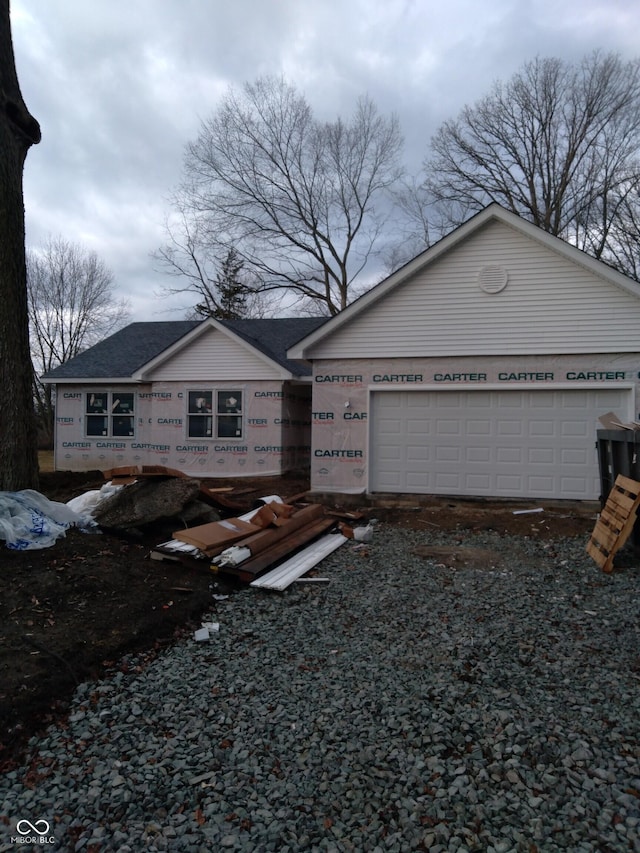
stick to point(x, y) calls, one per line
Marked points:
point(90, 380)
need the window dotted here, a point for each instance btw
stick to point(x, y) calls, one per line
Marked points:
point(229, 414)
point(109, 414)
point(200, 419)
point(222, 421)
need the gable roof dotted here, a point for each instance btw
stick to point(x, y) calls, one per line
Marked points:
point(126, 353)
point(309, 346)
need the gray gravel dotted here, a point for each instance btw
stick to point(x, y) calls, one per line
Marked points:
point(403, 706)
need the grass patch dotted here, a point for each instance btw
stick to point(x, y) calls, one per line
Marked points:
point(45, 461)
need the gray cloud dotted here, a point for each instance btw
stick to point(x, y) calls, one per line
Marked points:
point(119, 88)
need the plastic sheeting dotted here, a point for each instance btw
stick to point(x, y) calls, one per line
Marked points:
point(29, 520)
point(86, 504)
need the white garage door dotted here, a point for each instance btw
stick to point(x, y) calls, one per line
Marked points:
point(529, 443)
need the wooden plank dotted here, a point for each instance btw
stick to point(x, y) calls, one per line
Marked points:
point(628, 485)
point(251, 568)
point(607, 539)
point(621, 502)
point(613, 526)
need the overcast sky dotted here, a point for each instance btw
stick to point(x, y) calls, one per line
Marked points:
point(120, 86)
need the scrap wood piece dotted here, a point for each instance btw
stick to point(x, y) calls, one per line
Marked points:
point(264, 538)
point(293, 568)
point(615, 523)
point(216, 533)
point(248, 570)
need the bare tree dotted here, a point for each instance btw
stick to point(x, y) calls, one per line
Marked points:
point(71, 306)
point(198, 265)
point(18, 131)
point(558, 144)
point(302, 201)
point(624, 242)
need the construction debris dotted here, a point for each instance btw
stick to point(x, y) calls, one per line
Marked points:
point(30, 521)
point(615, 523)
point(146, 501)
point(293, 569)
point(291, 536)
point(274, 534)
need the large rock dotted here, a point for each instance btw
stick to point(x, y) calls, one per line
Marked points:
point(148, 500)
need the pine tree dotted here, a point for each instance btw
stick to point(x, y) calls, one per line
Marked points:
point(224, 297)
point(232, 293)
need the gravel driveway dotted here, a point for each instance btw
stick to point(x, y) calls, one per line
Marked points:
point(483, 702)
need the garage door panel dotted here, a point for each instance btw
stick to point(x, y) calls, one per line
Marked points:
point(392, 453)
point(508, 484)
point(477, 483)
point(539, 485)
point(540, 456)
point(447, 482)
point(477, 454)
point(418, 453)
point(509, 427)
point(477, 427)
point(606, 402)
point(574, 456)
point(447, 453)
point(546, 428)
point(419, 483)
point(576, 429)
point(447, 427)
point(490, 443)
point(541, 400)
point(418, 427)
point(509, 455)
point(505, 400)
point(392, 484)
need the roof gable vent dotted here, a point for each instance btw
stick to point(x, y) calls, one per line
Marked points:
point(492, 279)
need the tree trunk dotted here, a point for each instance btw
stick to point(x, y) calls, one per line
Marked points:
point(18, 131)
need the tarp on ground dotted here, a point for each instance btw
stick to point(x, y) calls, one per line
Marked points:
point(29, 520)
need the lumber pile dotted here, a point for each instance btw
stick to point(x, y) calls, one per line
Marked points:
point(248, 545)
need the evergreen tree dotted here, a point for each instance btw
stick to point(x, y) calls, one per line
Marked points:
point(232, 293)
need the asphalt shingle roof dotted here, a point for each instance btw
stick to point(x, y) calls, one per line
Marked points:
point(127, 350)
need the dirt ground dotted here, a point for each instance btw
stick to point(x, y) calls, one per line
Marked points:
point(74, 611)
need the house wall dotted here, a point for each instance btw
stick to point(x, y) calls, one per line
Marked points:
point(340, 450)
point(549, 304)
point(276, 430)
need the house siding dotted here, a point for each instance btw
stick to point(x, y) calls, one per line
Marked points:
point(214, 355)
point(549, 305)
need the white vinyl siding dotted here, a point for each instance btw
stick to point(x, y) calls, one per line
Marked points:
point(525, 443)
point(550, 305)
point(214, 356)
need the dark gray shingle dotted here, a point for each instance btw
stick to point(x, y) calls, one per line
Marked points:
point(126, 351)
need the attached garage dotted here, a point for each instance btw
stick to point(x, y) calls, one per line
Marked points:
point(494, 443)
point(480, 368)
